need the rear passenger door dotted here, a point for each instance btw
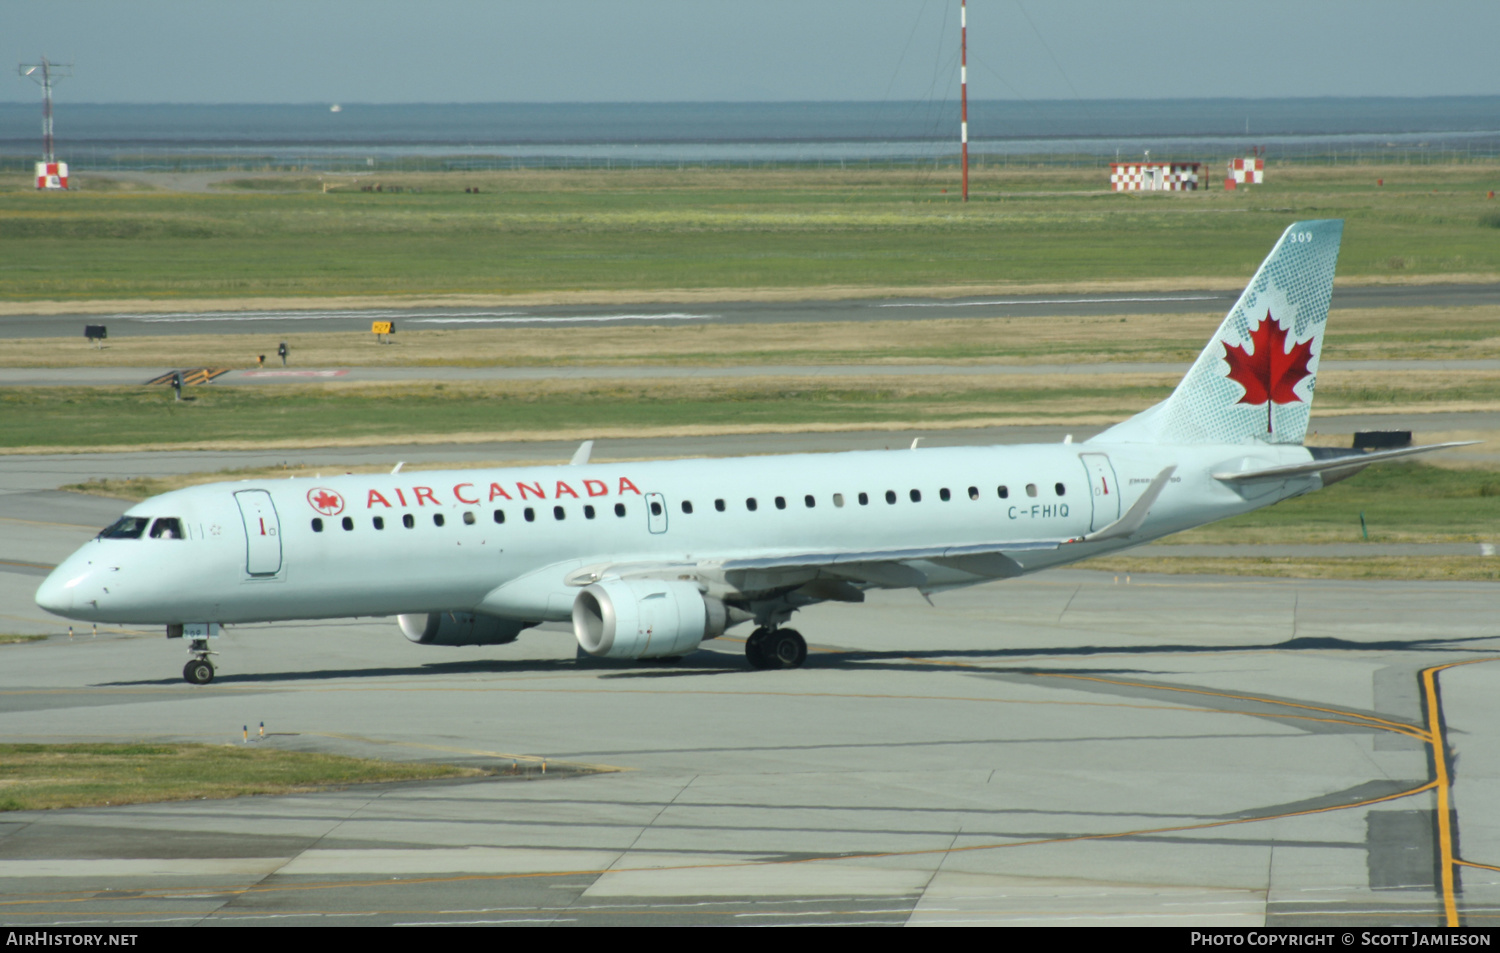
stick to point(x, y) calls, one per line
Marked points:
point(1103, 488)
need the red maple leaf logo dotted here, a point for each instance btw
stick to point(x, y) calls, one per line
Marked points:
point(326, 502)
point(1271, 374)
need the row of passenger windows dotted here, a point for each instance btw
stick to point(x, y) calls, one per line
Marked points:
point(409, 520)
point(891, 496)
point(809, 501)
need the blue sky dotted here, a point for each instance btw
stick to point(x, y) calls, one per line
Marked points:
point(276, 51)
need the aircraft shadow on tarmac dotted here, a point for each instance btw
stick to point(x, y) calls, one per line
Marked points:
point(714, 662)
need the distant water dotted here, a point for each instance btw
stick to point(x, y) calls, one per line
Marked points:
point(103, 134)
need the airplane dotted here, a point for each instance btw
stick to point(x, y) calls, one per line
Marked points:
point(647, 560)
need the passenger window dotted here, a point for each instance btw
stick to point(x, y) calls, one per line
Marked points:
point(808, 499)
point(499, 516)
point(168, 527)
point(1003, 492)
point(890, 496)
point(838, 499)
point(437, 519)
point(916, 496)
point(408, 521)
point(1031, 489)
point(750, 504)
point(317, 525)
point(126, 527)
point(1060, 489)
point(973, 492)
point(530, 514)
point(655, 508)
point(468, 517)
point(588, 512)
point(944, 495)
point(781, 502)
point(687, 506)
point(619, 509)
point(864, 499)
point(379, 522)
point(347, 522)
point(719, 505)
point(558, 513)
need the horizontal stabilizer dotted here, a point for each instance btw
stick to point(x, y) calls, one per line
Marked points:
point(1352, 460)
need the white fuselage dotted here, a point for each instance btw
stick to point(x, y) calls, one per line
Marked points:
point(269, 550)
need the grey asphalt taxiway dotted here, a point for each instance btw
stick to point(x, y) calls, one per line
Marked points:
point(1067, 748)
point(295, 320)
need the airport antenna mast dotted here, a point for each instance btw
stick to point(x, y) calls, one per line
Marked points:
point(963, 85)
point(43, 74)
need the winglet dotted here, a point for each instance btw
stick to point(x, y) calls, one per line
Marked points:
point(581, 455)
point(1136, 515)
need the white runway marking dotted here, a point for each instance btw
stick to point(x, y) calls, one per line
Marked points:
point(291, 315)
point(572, 318)
point(1007, 301)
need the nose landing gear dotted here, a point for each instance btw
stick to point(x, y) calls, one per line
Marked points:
point(775, 648)
point(199, 670)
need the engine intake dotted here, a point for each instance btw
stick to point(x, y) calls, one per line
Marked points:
point(645, 618)
point(460, 628)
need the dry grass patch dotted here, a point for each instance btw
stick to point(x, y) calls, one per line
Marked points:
point(43, 777)
point(1417, 568)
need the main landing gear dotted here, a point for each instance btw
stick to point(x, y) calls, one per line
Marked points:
point(199, 670)
point(775, 648)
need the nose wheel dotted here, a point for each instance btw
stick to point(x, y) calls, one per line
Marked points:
point(199, 670)
point(775, 648)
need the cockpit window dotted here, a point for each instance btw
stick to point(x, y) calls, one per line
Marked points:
point(167, 527)
point(126, 527)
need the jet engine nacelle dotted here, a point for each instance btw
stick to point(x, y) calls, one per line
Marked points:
point(645, 618)
point(460, 628)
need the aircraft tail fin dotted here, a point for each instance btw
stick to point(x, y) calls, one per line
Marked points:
point(1254, 381)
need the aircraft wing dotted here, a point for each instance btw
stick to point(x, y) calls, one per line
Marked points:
point(1335, 462)
point(888, 568)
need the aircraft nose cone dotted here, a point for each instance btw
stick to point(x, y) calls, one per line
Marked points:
point(54, 594)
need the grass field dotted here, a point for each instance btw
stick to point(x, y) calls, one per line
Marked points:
point(42, 777)
point(530, 231)
point(352, 414)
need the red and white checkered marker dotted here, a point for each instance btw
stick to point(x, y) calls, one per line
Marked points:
point(51, 175)
point(1249, 171)
point(1154, 176)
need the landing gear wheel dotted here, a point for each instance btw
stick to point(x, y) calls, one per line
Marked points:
point(199, 671)
point(786, 648)
point(755, 649)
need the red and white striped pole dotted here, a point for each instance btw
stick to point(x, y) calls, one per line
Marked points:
point(963, 85)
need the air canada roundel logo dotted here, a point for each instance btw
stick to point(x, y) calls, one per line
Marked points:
point(324, 501)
